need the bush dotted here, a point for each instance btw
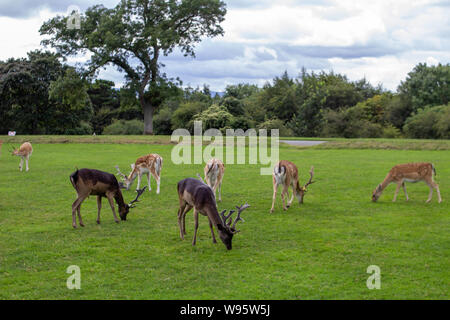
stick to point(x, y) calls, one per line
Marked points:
point(215, 117)
point(125, 127)
point(391, 132)
point(83, 129)
point(162, 122)
point(276, 124)
point(185, 113)
point(429, 123)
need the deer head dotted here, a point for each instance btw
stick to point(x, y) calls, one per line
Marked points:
point(123, 212)
point(377, 193)
point(126, 183)
point(228, 228)
point(304, 189)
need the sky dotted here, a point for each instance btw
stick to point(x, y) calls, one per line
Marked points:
point(380, 40)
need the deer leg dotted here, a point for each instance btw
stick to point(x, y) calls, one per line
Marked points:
point(21, 164)
point(212, 231)
point(188, 208)
point(292, 198)
point(220, 192)
point(404, 190)
point(399, 185)
point(99, 206)
point(158, 182)
point(194, 241)
point(435, 185)
point(283, 195)
point(75, 206)
point(26, 163)
point(139, 181)
point(111, 203)
point(79, 216)
point(148, 180)
point(180, 219)
point(274, 197)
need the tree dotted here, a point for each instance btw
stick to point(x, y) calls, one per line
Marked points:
point(24, 85)
point(134, 35)
point(427, 86)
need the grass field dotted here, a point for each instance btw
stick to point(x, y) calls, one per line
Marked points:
point(320, 250)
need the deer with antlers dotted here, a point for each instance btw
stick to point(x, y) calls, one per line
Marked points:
point(24, 152)
point(89, 182)
point(285, 174)
point(410, 172)
point(193, 193)
point(149, 164)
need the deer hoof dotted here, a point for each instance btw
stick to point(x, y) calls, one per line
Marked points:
point(74, 226)
point(117, 221)
point(82, 225)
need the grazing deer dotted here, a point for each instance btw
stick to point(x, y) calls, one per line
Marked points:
point(214, 171)
point(410, 172)
point(195, 194)
point(89, 182)
point(24, 152)
point(149, 164)
point(285, 173)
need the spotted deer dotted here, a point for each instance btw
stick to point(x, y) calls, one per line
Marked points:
point(193, 193)
point(24, 152)
point(285, 174)
point(214, 171)
point(410, 172)
point(90, 182)
point(149, 164)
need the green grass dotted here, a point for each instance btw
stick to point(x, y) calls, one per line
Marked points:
point(320, 250)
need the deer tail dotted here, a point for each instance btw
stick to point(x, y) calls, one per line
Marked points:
point(74, 178)
point(434, 170)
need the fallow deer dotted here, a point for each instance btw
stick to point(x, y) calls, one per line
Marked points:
point(285, 174)
point(89, 182)
point(195, 194)
point(149, 164)
point(410, 172)
point(214, 171)
point(24, 152)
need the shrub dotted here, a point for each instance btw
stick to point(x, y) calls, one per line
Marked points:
point(429, 123)
point(276, 124)
point(162, 122)
point(124, 127)
point(215, 117)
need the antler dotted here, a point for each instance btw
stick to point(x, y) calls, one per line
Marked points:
point(311, 173)
point(124, 177)
point(225, 218)
point(200, 177)
point(140, 193)
point(238, 218)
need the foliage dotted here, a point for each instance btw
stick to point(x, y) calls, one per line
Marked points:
point(215, 117)
point(163, 122)
point(431, 122)
point(427, 86)
point(139, 31)
point(276, 124)
point(124, 127)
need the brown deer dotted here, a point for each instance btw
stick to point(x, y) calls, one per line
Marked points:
point(195, 194)
point(149, 164)
point(24, 152)
point(410, 172)
point(89, 182)
point(285, 174)
point(214, 171)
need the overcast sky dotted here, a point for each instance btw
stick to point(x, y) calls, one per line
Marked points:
point(381, 40)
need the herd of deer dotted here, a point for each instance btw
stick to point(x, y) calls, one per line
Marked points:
point(200, 195)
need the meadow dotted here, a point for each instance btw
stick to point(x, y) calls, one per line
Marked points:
point(319, 250)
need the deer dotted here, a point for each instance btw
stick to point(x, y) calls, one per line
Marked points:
point(214, 171)
point(149, 164)
point(89, 182)
point(410, 172)
point(285, 173)
point(24, 152)
point(193, 193)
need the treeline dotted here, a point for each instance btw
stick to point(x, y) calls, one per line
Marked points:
point(41, 95)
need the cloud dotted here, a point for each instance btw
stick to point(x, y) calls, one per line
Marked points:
point(381, 40)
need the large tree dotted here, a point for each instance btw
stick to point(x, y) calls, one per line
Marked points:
point(134, 35)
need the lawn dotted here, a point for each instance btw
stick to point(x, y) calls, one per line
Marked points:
point(320, 250)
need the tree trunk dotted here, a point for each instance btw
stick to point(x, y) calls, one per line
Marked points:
point(148, 119)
